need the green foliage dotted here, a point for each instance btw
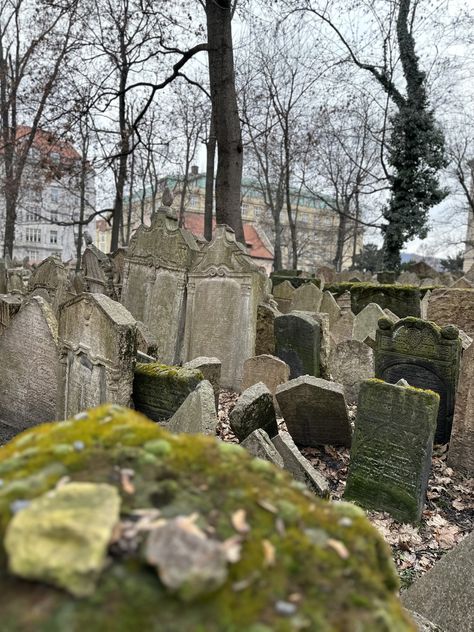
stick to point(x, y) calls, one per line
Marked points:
point(453, 264)
point(370, 259)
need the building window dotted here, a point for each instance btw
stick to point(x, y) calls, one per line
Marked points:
point(305, 218)
point(33, 235)
point(53, 236)
point(54, 215)
point(55, 157)
point(193, 201)
point(55, 194)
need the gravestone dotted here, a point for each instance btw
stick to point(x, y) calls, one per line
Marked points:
point(449, 306)
point(426, 356)
point(98, 272)
point(315, 411)
point(50, 280)
point(344, 302)
point(386, 277)
point(259, 444)
point(267, 369)
point(422, 269)
point(328, 273)
point(28, 368)
point(350, 363)
point(366, 321)
point(342, 328)
point(211, 370)
point(265, 336)
point(297, 342)
point(15, 283)
point(462, 284)
point(9, 306)
point(254, 409)
point(330, 307)
point(98, 339)
point(445, 594)
point(461, 446)
point(283, 294)
point(154, 281)
point(408, 278)
point(3, 277)
point(197, 414)
point(145, 342)
point(424, 305)
point(391, 449)
point(307, 298)
point(117, 261)
point(225, 288)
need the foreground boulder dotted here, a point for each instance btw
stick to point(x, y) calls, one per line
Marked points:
point(194, 534)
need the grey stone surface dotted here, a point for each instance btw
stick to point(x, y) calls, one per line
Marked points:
point(98, 272)
point(344, 302)
point(29, 367)
point(98, 338)
point(146, 343)
point(265, 336)
point(260, 446)
point(307, 298)
point(391, 450)
point(254, 409)
point(462, 283)
point(350, 363)
point(211, 369)
point(422, 624)
point(366, 321)
point(298, 465)
point(283, 294)
point(449, 306)
point(424, 303)
point(267, 369)
point(330, 307)
point(154, 281)
point(197, 414)
point(315, 411)
point(445, 594)
point(461, 446)
point(9, 306)
point(50, 280)
point(298, 343)
point(342, 328)
point(225, 288)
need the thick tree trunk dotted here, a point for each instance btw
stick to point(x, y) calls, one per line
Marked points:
point(210, 168)
point(226, 115)
point(117, 217)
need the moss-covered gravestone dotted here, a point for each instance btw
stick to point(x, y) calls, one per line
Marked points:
point(391, 449)
point(138, 529)
point(298, 343)
point(426, 356)
point(402, 300)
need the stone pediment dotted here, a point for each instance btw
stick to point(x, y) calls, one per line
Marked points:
point(223, 256)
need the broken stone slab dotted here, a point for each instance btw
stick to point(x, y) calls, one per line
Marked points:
point(62, 537)
point(298, 465)
point(211, 370)
point(259, 444)
point(254, 409)
point(146, 343)
point(197, 414)
point(444, 595)
point(315, 411)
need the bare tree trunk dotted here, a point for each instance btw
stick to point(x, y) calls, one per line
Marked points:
point(277, 262)
point(226, 115)
point(341, 236)
point(210, 167)
point(117, 217)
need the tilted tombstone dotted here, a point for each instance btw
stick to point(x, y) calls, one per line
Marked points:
point(448, 306)
point(50, 280)
point(28, 368)
point(350, 363)
point(330, 307)
point(426, 356)
point(267, 369)
point(98, 272)
point(283, 294)
point(154, 281)
point(315, 411)
point(9, 305)
point(391, 449)
point(307, 298)
point(461, 446)
point(98, 339)
point(298, 342)
point(225, 288)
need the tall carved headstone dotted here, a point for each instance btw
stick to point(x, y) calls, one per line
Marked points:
point(224, 290)
point(98, 338)
point(154, 281)
point(50, 280)
point(28, 368)
point(391, 449)
point(298, 343)
point(98, 272)
point(426, 356)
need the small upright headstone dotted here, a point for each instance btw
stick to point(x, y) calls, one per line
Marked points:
point(344, 301)
point(267, 369)
point(365, 323)
point(307, 298)
point(211, 371)
point(391, 449)
point(426, 356)
point(50, 280)
point(350, 363)
point(254, 409)
point(98, 272)
point(461, 446)
point(315, 411)
point(265, 336)
point(197, 414)
point(297, 342)
point(386, 277)
point(408, 278)
point(330, 307)
point(283, 294)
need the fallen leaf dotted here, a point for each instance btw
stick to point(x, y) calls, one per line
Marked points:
point(126, 476)
point(268, 553)
point(239, 521)
point(233, 549)
point(339, 547)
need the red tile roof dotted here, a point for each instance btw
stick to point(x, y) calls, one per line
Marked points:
point(47, 143)
point(256, 248)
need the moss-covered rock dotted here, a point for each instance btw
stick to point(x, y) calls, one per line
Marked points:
point(292, 561)
point(159, 389)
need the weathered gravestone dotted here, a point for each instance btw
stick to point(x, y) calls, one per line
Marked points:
point(426, 356)
point(297, 342)
point(28, 368)
point(98, 338)
point(462, 284)
point(254, 409)
point(154, 281)
point(391, 449)
point(344, 302)
point(350, 363)
point(449, 306)
point(9, 306)
point(211, 369)
point(50, 280)
point(307, 298)
point(224, 290)
point(366, 321)
point(117, 261)
point(265, 336)
point(3, 277)
point(98, 272)
point(342, 328)
point(330, 307)
point(461, 446)
point(267, 369)
point(259, 445)
point(283, 294)
point(445, 594)
point(315, 411)
point(197, 414)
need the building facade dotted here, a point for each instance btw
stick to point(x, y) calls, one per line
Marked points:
point(50, 194)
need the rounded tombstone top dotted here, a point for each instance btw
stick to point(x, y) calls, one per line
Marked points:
point(384, 323)
point(450, 332)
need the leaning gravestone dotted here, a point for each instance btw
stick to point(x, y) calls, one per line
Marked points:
point(461, 446)
point(98, 338)
point(449, 306)
point(297, 342)
point(225, 288)
point(350, 363)
point(307, 298)
point(391, 449)
point(9, 306)
point(197, 414)
point(426, 356)
point(330, 307)
point(283, 294)
point(154, 281)
point(265, 335)
point(315, 411)
point(28, 368)
point(211, 370)
point(267, 369)
point(462, 284)
point(365, 322)
point(342, 328)
point(50, 280)
point(254, 409)
point(98, 272)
